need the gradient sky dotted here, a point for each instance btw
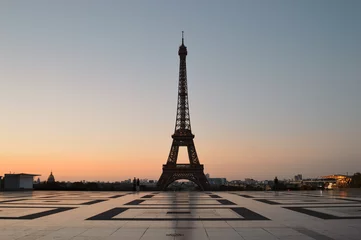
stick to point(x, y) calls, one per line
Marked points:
point(88, 89)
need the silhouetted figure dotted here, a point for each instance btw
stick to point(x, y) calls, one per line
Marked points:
point(276, 183)
point(138, 185)
point(134, 184)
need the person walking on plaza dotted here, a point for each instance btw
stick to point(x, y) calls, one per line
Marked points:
point(275, 183)
point(134, 184)
point(138, 185)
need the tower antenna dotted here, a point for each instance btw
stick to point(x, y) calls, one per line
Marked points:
point(182, 37)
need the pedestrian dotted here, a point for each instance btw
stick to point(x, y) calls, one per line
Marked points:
point(138, 185)
point(275, 181)
point(134, 184)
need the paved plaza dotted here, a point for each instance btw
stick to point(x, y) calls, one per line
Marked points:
point(46, 215)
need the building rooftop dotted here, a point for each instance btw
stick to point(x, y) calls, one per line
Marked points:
point(22, 174)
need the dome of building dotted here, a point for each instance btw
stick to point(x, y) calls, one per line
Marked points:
point(51, 178)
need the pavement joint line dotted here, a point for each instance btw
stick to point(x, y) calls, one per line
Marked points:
point(312, 233)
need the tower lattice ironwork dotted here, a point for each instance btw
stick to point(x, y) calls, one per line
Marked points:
point(183, 137)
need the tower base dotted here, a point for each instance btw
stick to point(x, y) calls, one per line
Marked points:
point(174, 172)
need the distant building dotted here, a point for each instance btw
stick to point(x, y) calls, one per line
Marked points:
point(298, 177)
point(250, 181)
point(340, 180)
point(217, 181)
point(236, 182)
point(51, 178)
point(20, 181)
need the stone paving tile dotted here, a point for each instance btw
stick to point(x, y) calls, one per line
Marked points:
point(226, 237)
point(28, 238)
point(7, 238)
point(98, 232)
point(131, 233)
point(118, 238)
point(189, 224)
point(163, 224)
point(138, 224)
point(53, 238)
point(191, 234)
point(283, 232)
point(217, 224)
point(41, 232)
point(252, 224)
point(256, 232)
point(298, 238)
point(68, 232)
point(225, 233)
point(283, 224)
point(87, 238)
point(158, 234)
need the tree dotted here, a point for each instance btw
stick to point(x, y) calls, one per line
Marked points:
point(356, 180)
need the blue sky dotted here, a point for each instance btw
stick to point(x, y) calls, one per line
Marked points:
point(270, 83)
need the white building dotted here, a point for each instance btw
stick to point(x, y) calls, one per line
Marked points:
point(19, 181)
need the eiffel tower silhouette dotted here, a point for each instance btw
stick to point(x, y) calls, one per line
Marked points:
point(183, 137)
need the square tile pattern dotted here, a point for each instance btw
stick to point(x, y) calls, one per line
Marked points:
point(29, 212)
point(330, 212)
point(176, 214)
point(45, 215)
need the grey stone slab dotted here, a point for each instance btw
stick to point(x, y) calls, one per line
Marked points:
point(312, 234)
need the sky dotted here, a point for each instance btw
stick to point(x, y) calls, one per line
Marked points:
point(88, 89)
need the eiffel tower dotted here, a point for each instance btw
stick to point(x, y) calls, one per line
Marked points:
point(183, 137)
